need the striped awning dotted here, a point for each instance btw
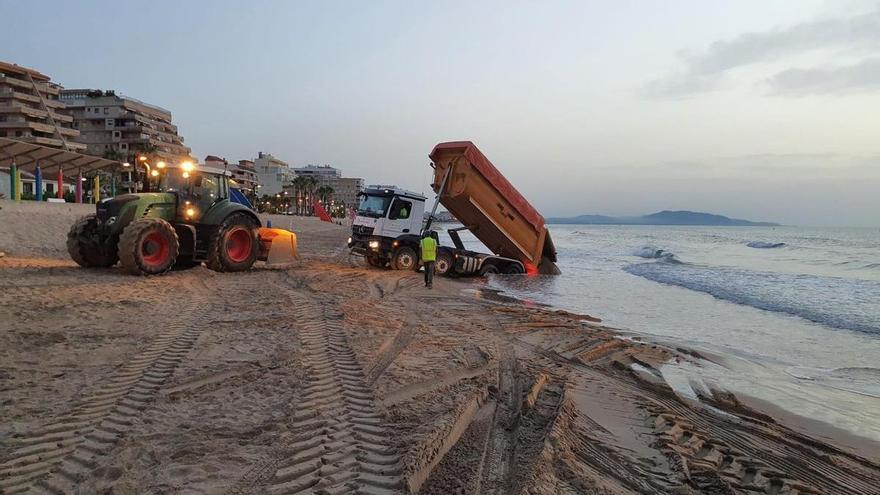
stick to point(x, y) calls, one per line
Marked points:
point(27, 156)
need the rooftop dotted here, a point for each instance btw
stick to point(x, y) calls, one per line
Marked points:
point(23, 71)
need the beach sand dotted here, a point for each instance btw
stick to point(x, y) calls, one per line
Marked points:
point(331, 377)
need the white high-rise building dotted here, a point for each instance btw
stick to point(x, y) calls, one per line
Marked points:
point(272, 174)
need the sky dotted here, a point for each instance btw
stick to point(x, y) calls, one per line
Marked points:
point(764, 110)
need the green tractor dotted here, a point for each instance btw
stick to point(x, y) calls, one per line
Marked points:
point(186, 219)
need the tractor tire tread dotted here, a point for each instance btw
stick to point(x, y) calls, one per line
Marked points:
point(84, 253)
point(216, 261)
point(129, 248)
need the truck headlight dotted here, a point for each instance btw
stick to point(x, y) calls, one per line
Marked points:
point(349, 240)
point(374, 244)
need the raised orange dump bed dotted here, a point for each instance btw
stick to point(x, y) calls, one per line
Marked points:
point(486, 203)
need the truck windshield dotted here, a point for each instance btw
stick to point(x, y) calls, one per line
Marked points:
point(374, 206)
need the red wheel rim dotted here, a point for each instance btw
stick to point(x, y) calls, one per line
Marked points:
point(155, 249)
point(239, 245)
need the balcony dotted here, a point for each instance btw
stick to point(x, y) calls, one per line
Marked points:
point(55, 143)
point(17, 108)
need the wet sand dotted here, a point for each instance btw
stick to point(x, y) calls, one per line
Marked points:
point(332, 377)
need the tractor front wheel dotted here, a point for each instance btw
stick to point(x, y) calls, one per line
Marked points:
point(148, 246)
point(85, 247)
point(234, 247)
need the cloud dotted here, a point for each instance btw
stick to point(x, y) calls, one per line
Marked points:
point(864, 75)
point(703, 71)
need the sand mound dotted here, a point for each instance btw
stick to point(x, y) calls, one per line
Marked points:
point(38, 229)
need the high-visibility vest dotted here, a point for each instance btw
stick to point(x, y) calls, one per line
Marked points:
point(429, 249)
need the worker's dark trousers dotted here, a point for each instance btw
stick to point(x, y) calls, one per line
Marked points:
point(429, 273)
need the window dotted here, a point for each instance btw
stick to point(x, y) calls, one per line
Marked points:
point(117, 134)
point(206, 189)
point(106, 111)
point(50, 188)
point(400, 210)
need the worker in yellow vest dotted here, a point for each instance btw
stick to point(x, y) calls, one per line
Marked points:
point(429, 256)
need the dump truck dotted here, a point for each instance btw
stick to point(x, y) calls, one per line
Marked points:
point(186, 218)
point(389, 222)
point(484, 201)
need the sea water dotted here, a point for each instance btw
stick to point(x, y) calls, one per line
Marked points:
point(793, 313)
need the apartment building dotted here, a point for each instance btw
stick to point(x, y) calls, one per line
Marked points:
point(31, 111)
point(272, 174)
point(345, 189)
point(322, 173)
point(245, 174)
point(109, 123)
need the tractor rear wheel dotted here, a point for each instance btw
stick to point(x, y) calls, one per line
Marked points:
point(234, 247)
point(85, 247)
point(148, 246)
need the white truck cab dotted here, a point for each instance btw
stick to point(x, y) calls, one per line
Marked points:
point(387, 226)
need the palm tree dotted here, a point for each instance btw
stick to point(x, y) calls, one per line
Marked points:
point(324, 194)
point(114, 155)
point(299, 187)
point(311, 183)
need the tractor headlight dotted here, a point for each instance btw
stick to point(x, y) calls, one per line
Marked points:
point(190, 212)
point(349, 240)
point(374, 244)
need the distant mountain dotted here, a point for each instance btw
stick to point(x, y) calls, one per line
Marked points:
point(665, 217)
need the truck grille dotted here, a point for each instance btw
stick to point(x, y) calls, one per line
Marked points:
point(361, 230)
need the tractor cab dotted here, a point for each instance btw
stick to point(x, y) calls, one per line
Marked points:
point(198, 188)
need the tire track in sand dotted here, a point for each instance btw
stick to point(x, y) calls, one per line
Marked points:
point(339, 443)
point(68, 448)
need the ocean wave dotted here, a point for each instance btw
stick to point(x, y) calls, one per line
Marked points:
point(765, 245)
point(850, 304)
point(653, 253)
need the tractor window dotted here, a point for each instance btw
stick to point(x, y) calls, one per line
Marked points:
point(400, 210)
point(206, 188)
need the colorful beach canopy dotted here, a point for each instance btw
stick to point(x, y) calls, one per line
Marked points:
point(27, 156)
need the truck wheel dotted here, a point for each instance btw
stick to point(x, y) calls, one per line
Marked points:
point(514, 269)
point(234, 246)
point(443, 265)
point(85, 247)
point(148, 246)
point(405, 259)
point(487, 270)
